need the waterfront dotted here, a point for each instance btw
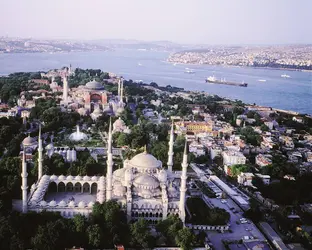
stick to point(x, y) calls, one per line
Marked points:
point(293, 93)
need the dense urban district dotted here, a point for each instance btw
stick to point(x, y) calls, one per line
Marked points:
point(92, 160)
point(296, 57)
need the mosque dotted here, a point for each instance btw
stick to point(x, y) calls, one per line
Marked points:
point(143, 187)
point(92, 99)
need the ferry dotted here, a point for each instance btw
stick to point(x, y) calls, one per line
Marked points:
point(262, 80)
point(213, 79)
point(285, 76)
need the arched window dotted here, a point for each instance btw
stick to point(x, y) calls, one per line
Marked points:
point(69, 187)
point(77, 187)
point(61, 187)
point(86, 187)
point(52, 187)
point(93, 188)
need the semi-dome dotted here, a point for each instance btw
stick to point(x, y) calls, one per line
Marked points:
point(146, 181)
point(94, 85)
point(145, 161)
point(28, 141)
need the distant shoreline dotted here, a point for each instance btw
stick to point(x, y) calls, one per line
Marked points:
point(238, 66)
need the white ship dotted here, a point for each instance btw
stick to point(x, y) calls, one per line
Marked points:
point(261, 80)
point(189, 71)
point(285, 76)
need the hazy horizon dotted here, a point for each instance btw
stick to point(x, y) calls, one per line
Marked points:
point(240, 22)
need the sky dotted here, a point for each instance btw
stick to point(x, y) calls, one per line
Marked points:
point(182, 21)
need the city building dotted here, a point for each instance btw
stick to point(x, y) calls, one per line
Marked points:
point(245, 179)
point(233, 158)
point(263, 160)
point(265, 178)
point(194, 127)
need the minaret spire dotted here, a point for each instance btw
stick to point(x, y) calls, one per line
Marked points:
point(65, 89)
point(40, 149)
point(170, 152)
point(24, 186)
point(109, 162)
point(121, 91)
point(183, 184)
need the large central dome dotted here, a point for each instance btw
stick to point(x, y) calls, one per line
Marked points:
point(94, 85)
point(145, 161)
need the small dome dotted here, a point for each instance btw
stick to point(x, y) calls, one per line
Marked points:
point(102, 178)
point(128, 175)
point(145, 161)
point(119, 190)
point(81, 204)
point(94, 85)
point(162, 175)
point(119, 110)
point(86, 178)
point(71, 204)
point(28, 141)
point(52, 203)
point(43, 203)
point(33, 186)
point(61, 177)
point(146, 181)
point(78, 178)
point(119, 123)
point(90, 204)
point(62, 203)
point(69, 178)
point(94, 178)
point(107, 109)
point(97, 111)
point(49, 146)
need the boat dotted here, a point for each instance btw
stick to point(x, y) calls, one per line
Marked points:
point(261, 80)
point(140, 64)
point(189, 71)
point(285, 76)
point(213, 79)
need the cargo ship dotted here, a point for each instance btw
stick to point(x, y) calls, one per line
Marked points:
point(212, 79)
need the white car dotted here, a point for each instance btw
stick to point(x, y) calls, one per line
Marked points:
point(223, 201)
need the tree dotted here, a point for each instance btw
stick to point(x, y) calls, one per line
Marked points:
point(140, 234)
point(95, 235)
point(160, 150)
point(185, 238)
point(169, 227)
point(51, 236)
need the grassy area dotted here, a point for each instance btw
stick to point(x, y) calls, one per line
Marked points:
point(201, 214)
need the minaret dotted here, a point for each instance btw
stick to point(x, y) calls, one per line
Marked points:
point(40, 159)
point(121, 91)
point(170, 152)
point(65, 89)
point(109, 175)
point(24, 186)
point(183, 184)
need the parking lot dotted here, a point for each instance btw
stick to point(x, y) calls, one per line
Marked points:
point(238, 229)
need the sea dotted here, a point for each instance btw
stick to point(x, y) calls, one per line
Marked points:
point(294, 93)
